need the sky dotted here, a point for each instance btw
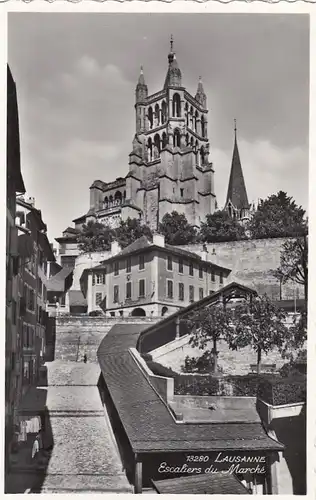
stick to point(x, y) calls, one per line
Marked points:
point(76, 75)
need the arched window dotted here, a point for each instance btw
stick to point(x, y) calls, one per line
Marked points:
point(186, 109)
point(163, 112)
point(196, 121)
point(187, 139)
point(164, 140)
point(191, 118)
point(111, 201)
point(202, 155)
point(105, 202)
point(156, 146)
point(149, 149)
point(118, 198)
point(176, 138)
point(124, 195)
point(203, 126)
point(150, 117)
point(176, 105)
point(197, 152)
point(157, 114)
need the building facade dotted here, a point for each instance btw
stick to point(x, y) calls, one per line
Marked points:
point(150, 279)
point(15, 185)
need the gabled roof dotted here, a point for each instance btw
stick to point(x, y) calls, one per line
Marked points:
point(146, 418)
point(76, 298)
point(236, 192)
point(57, 283)
point(230, 290)
point(143, 244)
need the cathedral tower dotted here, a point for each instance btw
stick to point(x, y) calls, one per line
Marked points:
point(169, 166)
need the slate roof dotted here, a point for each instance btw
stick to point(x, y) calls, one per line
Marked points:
point(143, 244)
point(211, 484)
point(146, 418)
point(76, 298)
point(57, 282)
point(236, 192)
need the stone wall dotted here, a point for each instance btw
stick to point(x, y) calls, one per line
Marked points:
point(79, 335)
point(231, 362)
point(252, 263)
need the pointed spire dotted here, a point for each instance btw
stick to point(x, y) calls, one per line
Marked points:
point(200, 95)
point(141, 79)
point(236, 192)
point(173, 76)
point(141, 87)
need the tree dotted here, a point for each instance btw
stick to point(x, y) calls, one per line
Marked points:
point(176, 229)
point(294, 262)
point(210, 325)
point(129, 231)
point(260, 324)
point(219, 226)
point(95, 237)
point(277, 217)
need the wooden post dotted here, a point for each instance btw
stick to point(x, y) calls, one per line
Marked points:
point(138, 483)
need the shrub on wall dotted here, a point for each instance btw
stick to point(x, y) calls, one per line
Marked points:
point(283, 391)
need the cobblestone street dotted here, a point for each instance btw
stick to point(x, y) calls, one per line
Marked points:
point(84, 457)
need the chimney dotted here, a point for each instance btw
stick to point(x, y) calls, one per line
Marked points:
point(115, 248)
point(159, 239)
point(204, 253)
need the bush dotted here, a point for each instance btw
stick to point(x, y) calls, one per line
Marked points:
point(283, 391)
point(202, 364)
point(196, 385)
point(245, 385)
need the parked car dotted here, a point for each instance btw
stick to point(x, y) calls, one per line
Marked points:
point(96, 313)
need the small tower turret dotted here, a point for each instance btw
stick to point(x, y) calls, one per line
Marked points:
point(141, 87)
point(200, 95)
point(141, 95)
point(173, 77)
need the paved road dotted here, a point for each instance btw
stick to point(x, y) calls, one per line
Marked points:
point(84, 457)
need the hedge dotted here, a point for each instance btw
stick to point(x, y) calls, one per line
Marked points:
point(283, 391)
point(273, 389)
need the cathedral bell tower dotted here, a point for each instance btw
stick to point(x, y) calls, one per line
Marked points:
point(169, 165)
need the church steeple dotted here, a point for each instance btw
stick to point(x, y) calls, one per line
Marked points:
point(237, 199)
point(173, 77)
point(200, 95)
point(141, 87)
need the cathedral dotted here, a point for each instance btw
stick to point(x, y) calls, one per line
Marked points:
point(169, 166)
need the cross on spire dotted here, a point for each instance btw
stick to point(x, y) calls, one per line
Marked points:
point(171, 43)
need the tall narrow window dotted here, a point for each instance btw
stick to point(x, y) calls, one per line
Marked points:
point(141, 285)
point(129, 290)
point(170, 289)
point(181, 291)
point(176, 138)
point(213, 275)
point(191, 293)
point(116, 268)
point(191, 269)
point(115, 294)
point(176, 105)
point(200, 293)
point(93, 279)
point(141, 262)
point(128, 264)
point(221, 278)
point(200, 272)
point(98, 298)
point(169, 263)
point(181, 266)
point(181, 192)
